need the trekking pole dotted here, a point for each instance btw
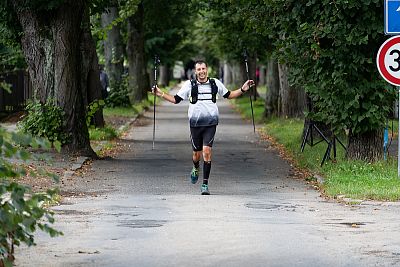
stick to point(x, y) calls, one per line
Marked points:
point(248, 78)
point(156, 62)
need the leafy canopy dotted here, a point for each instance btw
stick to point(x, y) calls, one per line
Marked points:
point(331, 47)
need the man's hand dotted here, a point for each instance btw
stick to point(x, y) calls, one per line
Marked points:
point(247, 85)
point(157, 91)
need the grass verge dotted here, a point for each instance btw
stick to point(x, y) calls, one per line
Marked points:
point(102, 139)
point(243, 105)
point(100, 134)
point(343, 178)
point(127, 111)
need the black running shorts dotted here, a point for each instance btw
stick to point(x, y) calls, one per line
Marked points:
point(202, 136)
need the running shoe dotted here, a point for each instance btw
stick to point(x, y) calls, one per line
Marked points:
point(194, 175)
point(204, 189)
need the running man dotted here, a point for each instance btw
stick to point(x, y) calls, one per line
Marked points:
point(203, 115)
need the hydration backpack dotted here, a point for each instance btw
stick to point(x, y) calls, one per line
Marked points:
point(194, 97)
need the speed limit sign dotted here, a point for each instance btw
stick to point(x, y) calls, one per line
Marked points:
point(388, 60)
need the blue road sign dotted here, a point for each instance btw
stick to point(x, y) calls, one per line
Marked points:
point(392, 17)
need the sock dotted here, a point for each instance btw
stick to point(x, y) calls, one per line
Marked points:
point(206, 171)
point(196, 164)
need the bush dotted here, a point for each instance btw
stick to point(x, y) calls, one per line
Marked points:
point(118, 95)
point(92, 109)
point(21, 210)
point(45, 120)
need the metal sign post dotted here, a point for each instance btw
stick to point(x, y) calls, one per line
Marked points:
point(398, 135)
point(388, 63)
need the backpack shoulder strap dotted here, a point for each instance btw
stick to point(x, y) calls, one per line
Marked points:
point(194, 92)
point(214, 90)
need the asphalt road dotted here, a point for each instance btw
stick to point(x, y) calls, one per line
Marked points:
point(140, 209)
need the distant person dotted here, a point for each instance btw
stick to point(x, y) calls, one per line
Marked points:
point(104, 82)
point(258, 75)
point(203, 115)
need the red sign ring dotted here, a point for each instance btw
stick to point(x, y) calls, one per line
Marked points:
point(380, 60)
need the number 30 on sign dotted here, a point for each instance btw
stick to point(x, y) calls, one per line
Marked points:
point(388, 60)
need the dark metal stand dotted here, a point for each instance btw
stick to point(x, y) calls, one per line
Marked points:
point(331, 143)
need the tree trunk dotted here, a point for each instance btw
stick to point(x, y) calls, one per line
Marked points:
point(38, 50)
point(137, 89)
point(262, 80)
point(50, 43)
point(238, 75)
point(252, 64)
point(221, 71)
point(90, 66)
point(366, 146)
point(113, 49)
point(272, 83)
point(292, 99)
point(227, 74)
point(249, 72)
point(164, 75)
